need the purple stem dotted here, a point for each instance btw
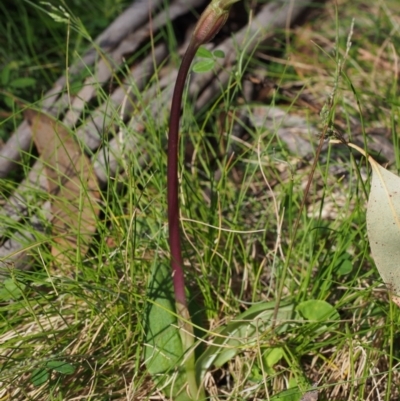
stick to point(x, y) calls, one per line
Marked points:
point(172, 175)
point(210, 22)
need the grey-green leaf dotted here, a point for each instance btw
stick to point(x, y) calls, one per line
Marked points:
point(163, 346)
point(383, 224)
point(240, 332)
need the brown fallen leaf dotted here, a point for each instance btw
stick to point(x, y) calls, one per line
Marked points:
point(72, 186)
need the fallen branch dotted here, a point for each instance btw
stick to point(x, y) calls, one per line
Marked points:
point(109, 161)
point(112, 47)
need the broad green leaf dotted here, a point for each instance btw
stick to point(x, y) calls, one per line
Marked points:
point(39, 376)
point(241, 332)
point(204, 65)
point(317, 310)
point(383, 224)
point(22, 82)
point(163, 343)
point(11, 290)
point(163, 346)
point(203, 52)
point(61, 367)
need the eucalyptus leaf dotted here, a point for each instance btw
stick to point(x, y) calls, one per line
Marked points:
point(72, 186)
point(383, 224)
point(241, 332)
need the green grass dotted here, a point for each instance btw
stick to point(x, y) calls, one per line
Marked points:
point(237, 232)
point(34, 48)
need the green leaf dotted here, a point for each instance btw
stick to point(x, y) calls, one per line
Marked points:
point(5, 75)
point(9, 101)
point(317, 310)
point(273, 356)
point(10, 289)
point(243, 331)
point(203, 52)
point(204, 65)
point(345, 267)
point(218, 53)
point(270, 358)
point(163, 346)
point(256, 374)
point(39, 376)
point(61, 367)
point(23, 82)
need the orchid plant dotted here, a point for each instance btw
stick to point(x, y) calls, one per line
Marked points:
point(170, 339)
point(209, 24)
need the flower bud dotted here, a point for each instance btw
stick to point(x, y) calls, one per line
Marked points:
point(209, 24)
